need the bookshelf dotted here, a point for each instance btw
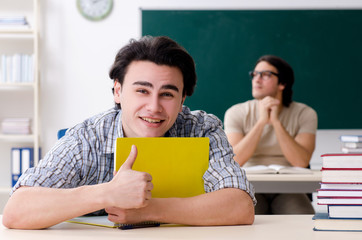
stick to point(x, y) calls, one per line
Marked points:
point(19, 98)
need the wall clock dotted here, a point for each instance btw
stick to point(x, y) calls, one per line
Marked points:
point(95, 10)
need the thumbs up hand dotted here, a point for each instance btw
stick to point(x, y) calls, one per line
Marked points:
point(128, 164)
point(129, 188)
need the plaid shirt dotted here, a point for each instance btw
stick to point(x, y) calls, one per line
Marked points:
point(84, 156)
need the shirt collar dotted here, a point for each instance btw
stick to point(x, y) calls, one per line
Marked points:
point(117, 126)
point(172, 131)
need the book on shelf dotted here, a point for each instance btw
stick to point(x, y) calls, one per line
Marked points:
point(3, 77)
point(13, 20)
point(339, 200)
point(351, 138)
point(102, 221)
point(339, 193)
point(351, 150)
point(342, 160)
point(276, 169)
point(345, 211)
point(342, 175)
point(322, 222)
point(352, 144)
point(16, 126)
point(17, 68)
point(15, 165)
point(22, 158)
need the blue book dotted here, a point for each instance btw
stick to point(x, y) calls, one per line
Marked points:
point(322, 222)
point(345, 211)
point(15, 165)
point(27, 158)
point(21, 160)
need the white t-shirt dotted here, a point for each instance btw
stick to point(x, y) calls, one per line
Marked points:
point(297, 118)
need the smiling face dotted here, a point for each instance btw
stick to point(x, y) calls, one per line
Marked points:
point(268, 86)
point(150, 97)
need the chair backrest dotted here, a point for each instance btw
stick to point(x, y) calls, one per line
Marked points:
point(61, 132)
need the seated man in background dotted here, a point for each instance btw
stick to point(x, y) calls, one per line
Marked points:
point(152, 78)
point(273, 129)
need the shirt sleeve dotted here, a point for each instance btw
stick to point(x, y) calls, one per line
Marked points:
point(308, 121)
point(234, 119)
point(223, 171)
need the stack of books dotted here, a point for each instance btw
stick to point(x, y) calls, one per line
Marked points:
point(13, 21)
point(351, 143)
point(16, 126)
point(341, 191)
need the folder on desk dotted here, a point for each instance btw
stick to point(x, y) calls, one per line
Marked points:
point(102, 221)
point(177, 165)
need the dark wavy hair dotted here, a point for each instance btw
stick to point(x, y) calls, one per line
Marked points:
point(159, 50)
point(286, 75)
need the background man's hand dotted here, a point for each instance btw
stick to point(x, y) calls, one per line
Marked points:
point(268, 109)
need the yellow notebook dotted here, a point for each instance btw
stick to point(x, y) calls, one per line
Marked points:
point(177, 165)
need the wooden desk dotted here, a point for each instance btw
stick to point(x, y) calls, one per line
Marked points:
point(286, 183)
point(265, 227)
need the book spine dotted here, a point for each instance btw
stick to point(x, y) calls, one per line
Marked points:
point(352, 145)
point(351, 150)
point(21, 160)
point(351, 138)
point(15, 165)
point(27, 159)
point(340, 169)
point(3, 69)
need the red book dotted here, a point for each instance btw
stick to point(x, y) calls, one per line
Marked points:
point(342, 175)
point(339, 200)
point(341, 186)
point(339, 193)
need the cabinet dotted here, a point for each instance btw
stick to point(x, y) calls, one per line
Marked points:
point(19, 99)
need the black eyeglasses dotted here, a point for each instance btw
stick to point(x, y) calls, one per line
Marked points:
point(263, 74)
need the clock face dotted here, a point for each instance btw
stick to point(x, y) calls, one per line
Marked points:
point(95, 10)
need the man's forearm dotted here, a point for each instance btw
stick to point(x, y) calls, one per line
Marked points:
point(228, 206)
point(245, 147)
point(296, 154)
point(41, 207)
point(38, 207)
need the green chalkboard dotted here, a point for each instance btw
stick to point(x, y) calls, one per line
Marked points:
point(324, 47)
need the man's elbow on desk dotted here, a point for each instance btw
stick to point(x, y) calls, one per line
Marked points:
point(245, 210)
point(238, 207)
point(14, 216)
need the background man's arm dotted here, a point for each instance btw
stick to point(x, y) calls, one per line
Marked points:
point(229, 206)
point(298, 151)
point(245, 146)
